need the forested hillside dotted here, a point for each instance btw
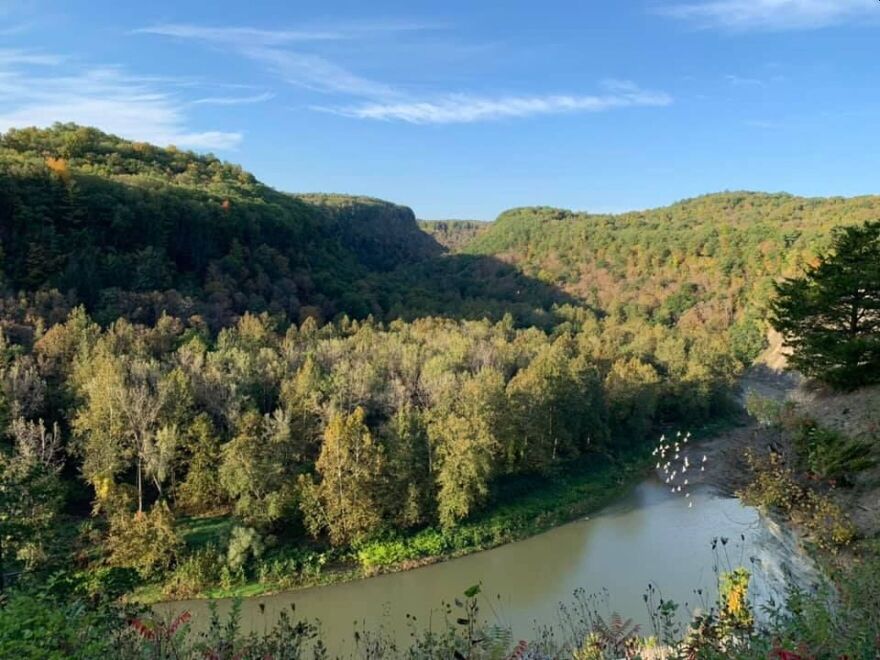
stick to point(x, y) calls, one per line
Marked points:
point(131, 230)
point(707, 261)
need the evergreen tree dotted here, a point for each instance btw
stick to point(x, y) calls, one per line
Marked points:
point(830, 316)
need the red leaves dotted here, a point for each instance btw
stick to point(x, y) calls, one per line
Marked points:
point(143, 629)
point(179, 620)
point(151, 630)
point(519, 651)
point(779, 653)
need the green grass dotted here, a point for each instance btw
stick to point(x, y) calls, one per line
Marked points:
point(199, 532)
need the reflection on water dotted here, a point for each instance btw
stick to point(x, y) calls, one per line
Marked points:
point(649, 536)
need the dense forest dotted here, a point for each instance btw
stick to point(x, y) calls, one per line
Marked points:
point(131, 230)
point(705, 261)
point(318, 372)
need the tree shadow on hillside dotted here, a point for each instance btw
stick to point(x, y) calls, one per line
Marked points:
point(470, 287)
point(413, 274)
point(143, 248)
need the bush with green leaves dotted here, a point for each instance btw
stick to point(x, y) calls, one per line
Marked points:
point(146, 542)
point(767, 411)
point(831, 455)
point(197, 572)
point(245, 544)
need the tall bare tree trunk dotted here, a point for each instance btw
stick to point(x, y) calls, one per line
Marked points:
point(140, 487)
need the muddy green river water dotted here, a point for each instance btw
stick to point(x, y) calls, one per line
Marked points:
point(648, 536)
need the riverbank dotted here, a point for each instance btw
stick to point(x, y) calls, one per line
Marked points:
point(727, 469)
point(604, 561)
point(801, 412)
point(519, 508)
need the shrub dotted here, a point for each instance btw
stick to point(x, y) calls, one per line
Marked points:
point(831, 455)
point(773, 485)
point(35, 626)
point(244, 543)
point(377, 554)
point(429, 543)
point(827, 523)
point(145, 542)
point(197, 572)
point(106, 582)
point(282, 571)
point(767, 412)
point(735, 612)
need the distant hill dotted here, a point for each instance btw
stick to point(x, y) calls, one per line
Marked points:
point(132, 230)
point(454, 234)
point(383, 235)
point(707, 259)
point(121, 225)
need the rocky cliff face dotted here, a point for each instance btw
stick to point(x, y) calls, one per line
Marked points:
point(381, 234)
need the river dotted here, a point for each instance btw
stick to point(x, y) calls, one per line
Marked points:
point(649, 536)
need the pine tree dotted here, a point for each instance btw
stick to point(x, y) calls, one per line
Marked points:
point(830, 316)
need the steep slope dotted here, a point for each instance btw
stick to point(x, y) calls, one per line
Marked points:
point(709, 260)
point(132, 230)
point(383, 235)
point(124, 226)
point(454, 234)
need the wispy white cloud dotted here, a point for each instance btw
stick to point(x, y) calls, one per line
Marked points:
point(378, 100)
point(239, 35)
point(743, 81)
point(318, 73)
point(460, 108)
point(234, 100)
point(246, 35)
point(108, 98)
point(771, 14)
point(14, 57)
point(297, 68)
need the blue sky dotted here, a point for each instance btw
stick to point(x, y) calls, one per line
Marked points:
point(466, 108)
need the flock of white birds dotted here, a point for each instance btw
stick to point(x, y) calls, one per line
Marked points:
point(674, 461)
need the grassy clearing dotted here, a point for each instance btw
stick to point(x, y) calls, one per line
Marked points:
point(199, 532)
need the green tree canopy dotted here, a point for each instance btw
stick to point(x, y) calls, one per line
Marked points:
point(830, 316)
